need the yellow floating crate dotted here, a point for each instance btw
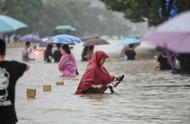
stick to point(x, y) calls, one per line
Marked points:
point(59, 83)
point(75, 79)
point(31, 93)
point(47, 88)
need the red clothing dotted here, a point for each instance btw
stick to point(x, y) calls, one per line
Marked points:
point(95, 74)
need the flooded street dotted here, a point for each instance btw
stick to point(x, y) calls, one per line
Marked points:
point(145, 96)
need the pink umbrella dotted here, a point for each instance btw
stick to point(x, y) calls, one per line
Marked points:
point(174, 34)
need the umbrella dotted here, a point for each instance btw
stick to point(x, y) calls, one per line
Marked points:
point(89, 37)
point(30, 38)
point(91, 42)
point(66, 39)
point(8, 24)
point(130, 40)
point(173, 34)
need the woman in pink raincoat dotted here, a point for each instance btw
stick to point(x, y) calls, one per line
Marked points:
point(67, 64)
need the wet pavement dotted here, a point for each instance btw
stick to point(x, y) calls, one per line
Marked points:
point(145, 96)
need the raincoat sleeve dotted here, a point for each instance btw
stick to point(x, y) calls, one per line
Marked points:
point(62, 63)
point(87, 80)
point(111, 77)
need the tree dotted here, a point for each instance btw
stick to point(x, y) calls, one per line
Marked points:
point(28, 11)
point(80, 15)
point(44, 15)
point(137, 10)
point(1, 5)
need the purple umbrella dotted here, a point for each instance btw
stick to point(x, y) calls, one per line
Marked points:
point(30, 38)
point(174, 34)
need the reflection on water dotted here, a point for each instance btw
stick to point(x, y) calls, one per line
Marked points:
point(96, 97)
point(144, 97)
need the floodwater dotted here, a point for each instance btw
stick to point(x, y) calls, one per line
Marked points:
point(145, 96)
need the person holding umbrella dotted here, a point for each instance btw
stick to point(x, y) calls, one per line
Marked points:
point(89, 47)
point(57, 53)
point(163, 63)
point(130, 53)
point(67, 64)
point(87, 52)
point(48, 55)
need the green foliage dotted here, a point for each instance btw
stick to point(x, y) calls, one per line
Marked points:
point(28, 11)
point(1, 5)
point(83, 17)
point(137, 10)
point(44, 15)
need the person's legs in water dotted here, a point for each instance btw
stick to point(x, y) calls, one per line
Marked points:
point(90, 91)
point(77, 73)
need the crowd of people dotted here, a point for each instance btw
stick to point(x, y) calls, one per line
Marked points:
point(96, 78)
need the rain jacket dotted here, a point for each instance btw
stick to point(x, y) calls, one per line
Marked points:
point(95, 74)
point(67, 65)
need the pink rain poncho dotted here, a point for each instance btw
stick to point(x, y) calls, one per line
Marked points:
point(67, 65)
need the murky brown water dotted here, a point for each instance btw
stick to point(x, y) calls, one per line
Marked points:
point(145, 96)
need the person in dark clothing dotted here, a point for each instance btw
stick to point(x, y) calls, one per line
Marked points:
point(57, 53)
point(184, 60)
point(87, 53)
point(130, 53)
point(10, 72)
point(48, 56)
point(84, 52)
point(163, 62)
